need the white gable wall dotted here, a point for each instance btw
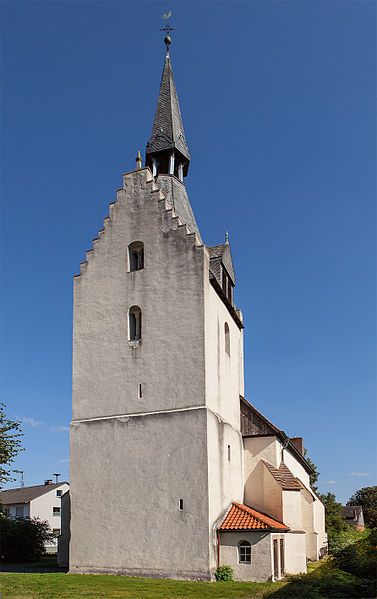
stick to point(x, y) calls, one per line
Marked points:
point(296, 468)
point(42, 508)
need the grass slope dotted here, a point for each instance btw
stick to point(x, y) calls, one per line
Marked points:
point(323, 581)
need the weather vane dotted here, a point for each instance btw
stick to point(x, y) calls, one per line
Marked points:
point(167, 29)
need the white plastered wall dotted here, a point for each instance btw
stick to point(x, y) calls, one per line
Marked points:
point(292, 512)
point(260, 568)
point(295, 553)
point(224, 374)
point(262, 492)
point(296, 468)
point(225, 480)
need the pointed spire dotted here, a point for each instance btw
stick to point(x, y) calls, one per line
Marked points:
point(167, 151)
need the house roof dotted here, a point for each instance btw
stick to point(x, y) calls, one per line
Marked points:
point(284, 477)
point(26, 494)
point(353, 512)
point(243, 517)
point(254, 424)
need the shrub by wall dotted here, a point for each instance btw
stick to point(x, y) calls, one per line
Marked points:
point(23, 539)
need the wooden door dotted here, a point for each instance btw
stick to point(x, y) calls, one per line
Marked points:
point(276, 559)
point(282, 558)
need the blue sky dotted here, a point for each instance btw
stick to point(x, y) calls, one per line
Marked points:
point(278, 101)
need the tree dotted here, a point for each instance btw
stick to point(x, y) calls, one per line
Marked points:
point(367, 498)
point(339, 533)
point(23, 539)
point(10, 445)
point(313, 478)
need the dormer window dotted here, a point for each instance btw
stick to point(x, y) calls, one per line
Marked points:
point(226, 284)
point(136, 255)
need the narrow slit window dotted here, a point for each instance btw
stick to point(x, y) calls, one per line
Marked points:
point(136, 255)
point(181, 504)
point(134, 323)
point(228, 453)
point(227, 338)
point(140, 392)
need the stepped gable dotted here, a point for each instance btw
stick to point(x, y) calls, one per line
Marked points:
point(221, 254)
point(172, 220)
point(176, 194)
point(243, 517)
point(284, 477)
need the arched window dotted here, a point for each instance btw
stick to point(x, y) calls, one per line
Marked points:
point(136, 255)
point(134, 323)
point(227, 338)
point(244, 552)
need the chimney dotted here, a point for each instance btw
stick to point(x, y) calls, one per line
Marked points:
point(298, 442)
point(48, 481)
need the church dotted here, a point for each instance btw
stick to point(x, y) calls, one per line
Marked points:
point(173, 471)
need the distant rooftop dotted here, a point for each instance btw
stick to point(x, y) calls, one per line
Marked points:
point(26, 494)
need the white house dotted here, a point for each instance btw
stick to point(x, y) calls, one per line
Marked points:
point(172, 472)
point(40, 501)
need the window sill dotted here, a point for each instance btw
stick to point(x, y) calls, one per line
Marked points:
point(134, 343)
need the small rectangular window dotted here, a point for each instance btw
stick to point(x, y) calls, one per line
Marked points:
point(56, 511)
point(59, 493)
point(20, 511)
point(56, 532)
point(229, 453)
point(181, 504)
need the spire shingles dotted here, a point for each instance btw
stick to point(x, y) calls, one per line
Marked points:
point(167, 132)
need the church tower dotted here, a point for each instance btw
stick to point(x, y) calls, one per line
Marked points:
point(156, 448)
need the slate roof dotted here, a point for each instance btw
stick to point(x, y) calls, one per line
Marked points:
point(167, 131)
point(284, 477)
point(221, 254)
point(243, 517)
point(176, 194)
point(26, 494)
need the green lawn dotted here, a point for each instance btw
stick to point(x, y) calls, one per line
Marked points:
point(321, 582)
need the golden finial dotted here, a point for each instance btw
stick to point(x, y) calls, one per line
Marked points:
point(138, 160)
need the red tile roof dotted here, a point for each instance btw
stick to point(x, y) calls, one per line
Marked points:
point(243, 517)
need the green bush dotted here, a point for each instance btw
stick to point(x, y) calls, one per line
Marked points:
point(224, 573)
point(359, 558)
point(23, 539)
point(339, 540)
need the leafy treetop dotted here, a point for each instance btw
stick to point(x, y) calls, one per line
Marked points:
point(10, 445)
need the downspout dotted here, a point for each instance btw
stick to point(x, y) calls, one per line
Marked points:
point(218, 548)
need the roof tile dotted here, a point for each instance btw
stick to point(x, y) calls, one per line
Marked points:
point(284, 477)
point(243, 517)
